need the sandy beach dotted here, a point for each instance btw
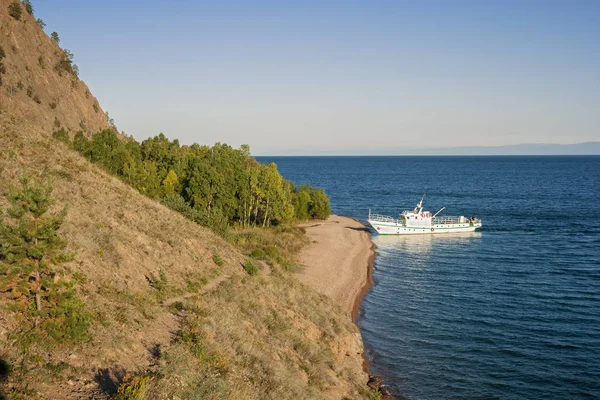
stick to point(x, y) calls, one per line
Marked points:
point(338, 261)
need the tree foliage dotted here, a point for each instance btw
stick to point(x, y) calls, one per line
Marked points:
point(54, 36)
point(15, 10)
point(28, 6)
point(217, 186)
point(30, 251)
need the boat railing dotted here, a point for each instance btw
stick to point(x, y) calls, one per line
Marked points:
point(447, 220)
point(381, 218)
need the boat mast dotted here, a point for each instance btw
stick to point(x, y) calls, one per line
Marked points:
point(420, 205)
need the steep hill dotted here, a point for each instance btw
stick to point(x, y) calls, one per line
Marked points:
point(173, 312)
point(38, 84)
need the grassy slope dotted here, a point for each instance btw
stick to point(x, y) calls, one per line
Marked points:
point(242, 337)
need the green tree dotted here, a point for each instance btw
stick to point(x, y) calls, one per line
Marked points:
point(170, 183)
point(30, 244)
point(31, 250)
point(28, 6)
point(15, 10)
point(320, 208)
point(54, 36)
point(302, 202)
point(41, 23)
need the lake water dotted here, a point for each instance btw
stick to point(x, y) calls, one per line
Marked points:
point(510, 312)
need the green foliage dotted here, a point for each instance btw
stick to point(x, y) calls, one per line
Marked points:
point(65, 64)
point(15, 10)
point(54, 36)
point(250, 267)
point(161, 283)
point(216, 186)
point(218, 260)
point(41, 23)
point(132, 387)
point(30, 251)
point(61, 135)
point(319, 207)
point(28, 7)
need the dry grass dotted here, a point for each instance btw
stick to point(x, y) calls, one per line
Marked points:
point(248, 337)
point(278, 246)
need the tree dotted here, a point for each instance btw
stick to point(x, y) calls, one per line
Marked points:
point(15, 10)
point(170, 182)
point(41, 23)
point(28, 7)
point(54, 36)
point(29, 242)
point(320, 208)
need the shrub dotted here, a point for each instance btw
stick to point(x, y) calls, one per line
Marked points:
point(41, 23)
point(2, 53)
point(28, 7)
point(56, 122)
point(30, 91)
point(53, 105)
point(250, 267)
point(218, 260)
point(54, 36)
point(15, 10)
point(37, 99)
point(41, 62)
point(20, 85)
point(132, 387)
point(30, 248)
point(61, 135)
point(96, 107)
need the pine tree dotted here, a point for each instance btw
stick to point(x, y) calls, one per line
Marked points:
point(30, 246)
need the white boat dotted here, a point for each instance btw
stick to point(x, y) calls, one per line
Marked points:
point(418, 222)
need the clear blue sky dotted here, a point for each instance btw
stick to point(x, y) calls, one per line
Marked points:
point(340, 77)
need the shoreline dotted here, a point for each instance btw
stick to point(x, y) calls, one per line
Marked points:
point(327, 238)
point(339, 261)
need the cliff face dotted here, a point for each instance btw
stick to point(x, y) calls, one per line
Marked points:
point(38, 85)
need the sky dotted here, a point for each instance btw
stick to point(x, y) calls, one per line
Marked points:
point(340, 77)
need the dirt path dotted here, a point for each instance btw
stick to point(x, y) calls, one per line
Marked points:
point(210, 286)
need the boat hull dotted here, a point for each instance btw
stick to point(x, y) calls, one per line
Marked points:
point(388, 228)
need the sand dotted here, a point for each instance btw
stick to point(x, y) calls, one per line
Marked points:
point(338, 262)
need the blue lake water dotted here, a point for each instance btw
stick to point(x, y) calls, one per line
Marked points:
point(510, 312)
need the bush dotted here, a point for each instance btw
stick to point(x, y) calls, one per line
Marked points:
point(28, 7)
point(218, 260)
point(30, 91)
point(15, 10)
point(41, 23)
point(61, 135)
point(54, 36)
point(37, 99)
point(250, 267)
point(41, 62)
point(132, 387)
point(53, 105)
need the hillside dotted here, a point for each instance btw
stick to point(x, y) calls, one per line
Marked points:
point(37, 84)
point(172, 312)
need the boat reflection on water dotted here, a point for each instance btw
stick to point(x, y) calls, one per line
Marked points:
point(422, 245)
